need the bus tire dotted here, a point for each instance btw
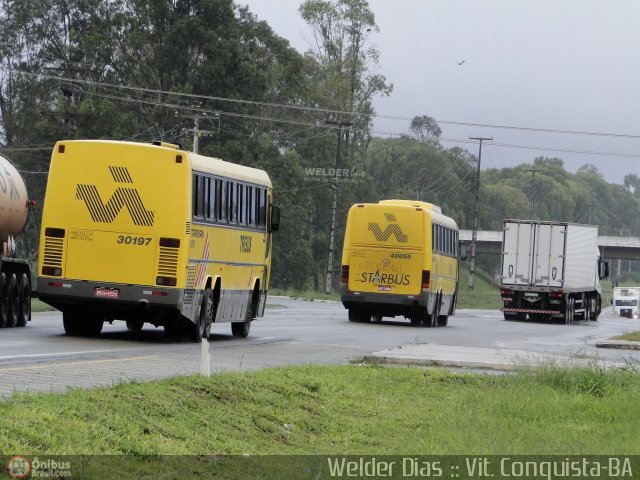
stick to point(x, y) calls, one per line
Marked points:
point(24, 300)
point(359, 316)
point(241, 329)
point(376, 318)
point(14, 301)
point(93, 327)
point(202, 328)
point(72, 323)
point(418, 316)
point(443, 320)
point(4, 300)
point(431, 321)
point(134, 325)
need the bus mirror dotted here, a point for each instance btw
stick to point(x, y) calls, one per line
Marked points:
point(275, 218)
point(463, 252)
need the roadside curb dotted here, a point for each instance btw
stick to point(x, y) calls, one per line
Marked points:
point(427, 362)
point(619, 344)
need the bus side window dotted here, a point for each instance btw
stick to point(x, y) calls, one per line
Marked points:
point(207, 198)
point(240, 202)
point(221, 212)
point(233, 206)
point(262, 209)
point(194, 195)
point(250, 207)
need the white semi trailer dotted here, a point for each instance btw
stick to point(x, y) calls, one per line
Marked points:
point(551, 270)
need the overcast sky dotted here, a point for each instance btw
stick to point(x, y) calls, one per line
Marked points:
point(543, 64)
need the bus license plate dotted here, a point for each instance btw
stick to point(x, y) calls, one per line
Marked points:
point(107, 292)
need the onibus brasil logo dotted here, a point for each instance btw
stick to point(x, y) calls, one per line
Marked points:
point(122, 197)
point(21, 467)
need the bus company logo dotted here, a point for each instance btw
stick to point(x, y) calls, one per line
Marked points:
point(18, 467)
point(391, 229)
point(122, 197)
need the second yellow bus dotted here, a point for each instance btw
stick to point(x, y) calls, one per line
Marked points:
point(400, 257)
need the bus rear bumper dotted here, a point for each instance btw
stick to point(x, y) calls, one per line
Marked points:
point(115, 301)
point(387, 304)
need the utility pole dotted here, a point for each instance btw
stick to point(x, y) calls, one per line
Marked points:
point(197, 132)
point(474, 236)
point(328, 286)
point(533, 191)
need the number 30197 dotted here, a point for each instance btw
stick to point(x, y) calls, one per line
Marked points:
point(129, 240)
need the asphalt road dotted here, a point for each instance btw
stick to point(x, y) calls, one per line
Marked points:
point(293, 332)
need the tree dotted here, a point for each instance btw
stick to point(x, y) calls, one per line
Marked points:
point(425, 128)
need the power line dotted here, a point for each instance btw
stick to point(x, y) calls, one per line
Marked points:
point(322, 110)
point(312, 125)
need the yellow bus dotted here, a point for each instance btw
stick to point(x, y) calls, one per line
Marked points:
point(149, 233)
point(400, 257)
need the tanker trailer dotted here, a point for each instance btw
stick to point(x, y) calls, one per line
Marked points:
point(15, 274)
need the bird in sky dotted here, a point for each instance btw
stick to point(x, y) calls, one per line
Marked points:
point(460, 63)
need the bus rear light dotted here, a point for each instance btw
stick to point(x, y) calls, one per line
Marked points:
point(54, 232)
point(155, 293)
point(170, 242)
point(556, 294)
point(166, 281)
point(426, 279)
point(344, 275)
point(52, 271)
point(59, 285)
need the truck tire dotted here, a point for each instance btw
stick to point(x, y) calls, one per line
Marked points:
point(569, 311)
point(24, 300)
point(14, 301)
point(4, 300)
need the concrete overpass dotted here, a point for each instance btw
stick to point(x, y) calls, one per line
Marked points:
point(625, 248)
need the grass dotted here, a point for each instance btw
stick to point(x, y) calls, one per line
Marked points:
point(632, 336)
point(336, 410)
point(40, 306)
point(305, 294)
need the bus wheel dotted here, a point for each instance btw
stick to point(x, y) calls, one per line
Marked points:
point(72, 322)
point(134, 325)
point(24, 299)
point(241, 329)
point(419, 316)
point(92, 327)
point(202, 328)
point(359, 316)
point(376, 318)
point(4, 300)
point(432, 320)
point(443, 320)
point(14, 301)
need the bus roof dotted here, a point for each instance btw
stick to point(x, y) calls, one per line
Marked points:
point(434, 210)
point(200, 163)
point(412, 203)
point(217, 166)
